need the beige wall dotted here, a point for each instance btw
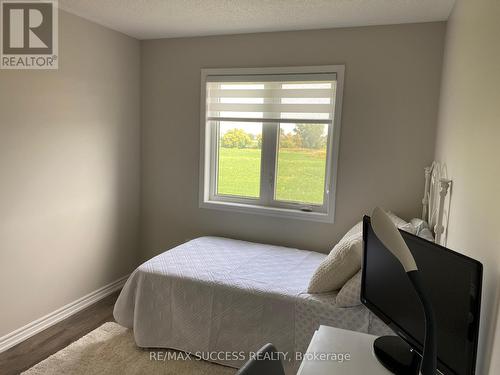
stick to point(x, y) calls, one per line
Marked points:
point(468, 142)
point(69, 173)
point(389, 117)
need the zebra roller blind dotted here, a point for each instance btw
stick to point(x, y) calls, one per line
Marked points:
point(277, 98)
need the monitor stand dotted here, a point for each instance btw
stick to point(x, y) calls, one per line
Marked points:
point(396, 355)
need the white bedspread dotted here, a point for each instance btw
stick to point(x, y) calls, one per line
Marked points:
point(220, 295)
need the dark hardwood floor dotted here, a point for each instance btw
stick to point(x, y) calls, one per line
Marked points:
point(35, 349)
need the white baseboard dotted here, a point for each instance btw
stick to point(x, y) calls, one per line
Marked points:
point(30, 329)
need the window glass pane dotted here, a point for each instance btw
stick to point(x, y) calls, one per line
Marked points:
point(301, 163)
point(239, 156)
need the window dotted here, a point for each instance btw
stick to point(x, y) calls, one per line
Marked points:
point(269, 140)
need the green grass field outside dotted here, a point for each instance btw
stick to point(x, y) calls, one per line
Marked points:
point(300, 175)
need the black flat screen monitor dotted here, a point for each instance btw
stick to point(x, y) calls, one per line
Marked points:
point(453, 284)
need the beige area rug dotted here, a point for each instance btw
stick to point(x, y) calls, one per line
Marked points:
point(110, 349)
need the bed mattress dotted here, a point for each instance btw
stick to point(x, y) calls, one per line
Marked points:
point(218, 295)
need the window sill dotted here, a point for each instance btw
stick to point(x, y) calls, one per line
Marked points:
point(268, 211)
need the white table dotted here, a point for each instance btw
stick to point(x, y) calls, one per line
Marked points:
point(331, 341)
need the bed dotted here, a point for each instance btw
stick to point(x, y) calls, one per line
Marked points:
point(218, 297)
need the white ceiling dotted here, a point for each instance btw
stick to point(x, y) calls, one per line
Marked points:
point(149, 19)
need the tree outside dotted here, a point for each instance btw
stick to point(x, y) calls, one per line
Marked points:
point(237, 138)
point(308, 136)
point(289, 140)
point(311, 135)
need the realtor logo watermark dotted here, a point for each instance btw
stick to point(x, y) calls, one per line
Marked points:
point(29, 37)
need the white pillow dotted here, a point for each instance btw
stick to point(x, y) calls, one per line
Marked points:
point(350, 294)
point(422, 229)
point(396, 219)
point(426, 234)
point(419, 224)
point(341, 264)
point(345, 259)
point(402, 224)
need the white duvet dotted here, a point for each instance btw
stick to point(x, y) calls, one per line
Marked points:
point(217, 295)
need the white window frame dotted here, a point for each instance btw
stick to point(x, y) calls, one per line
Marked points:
point(208, 155)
